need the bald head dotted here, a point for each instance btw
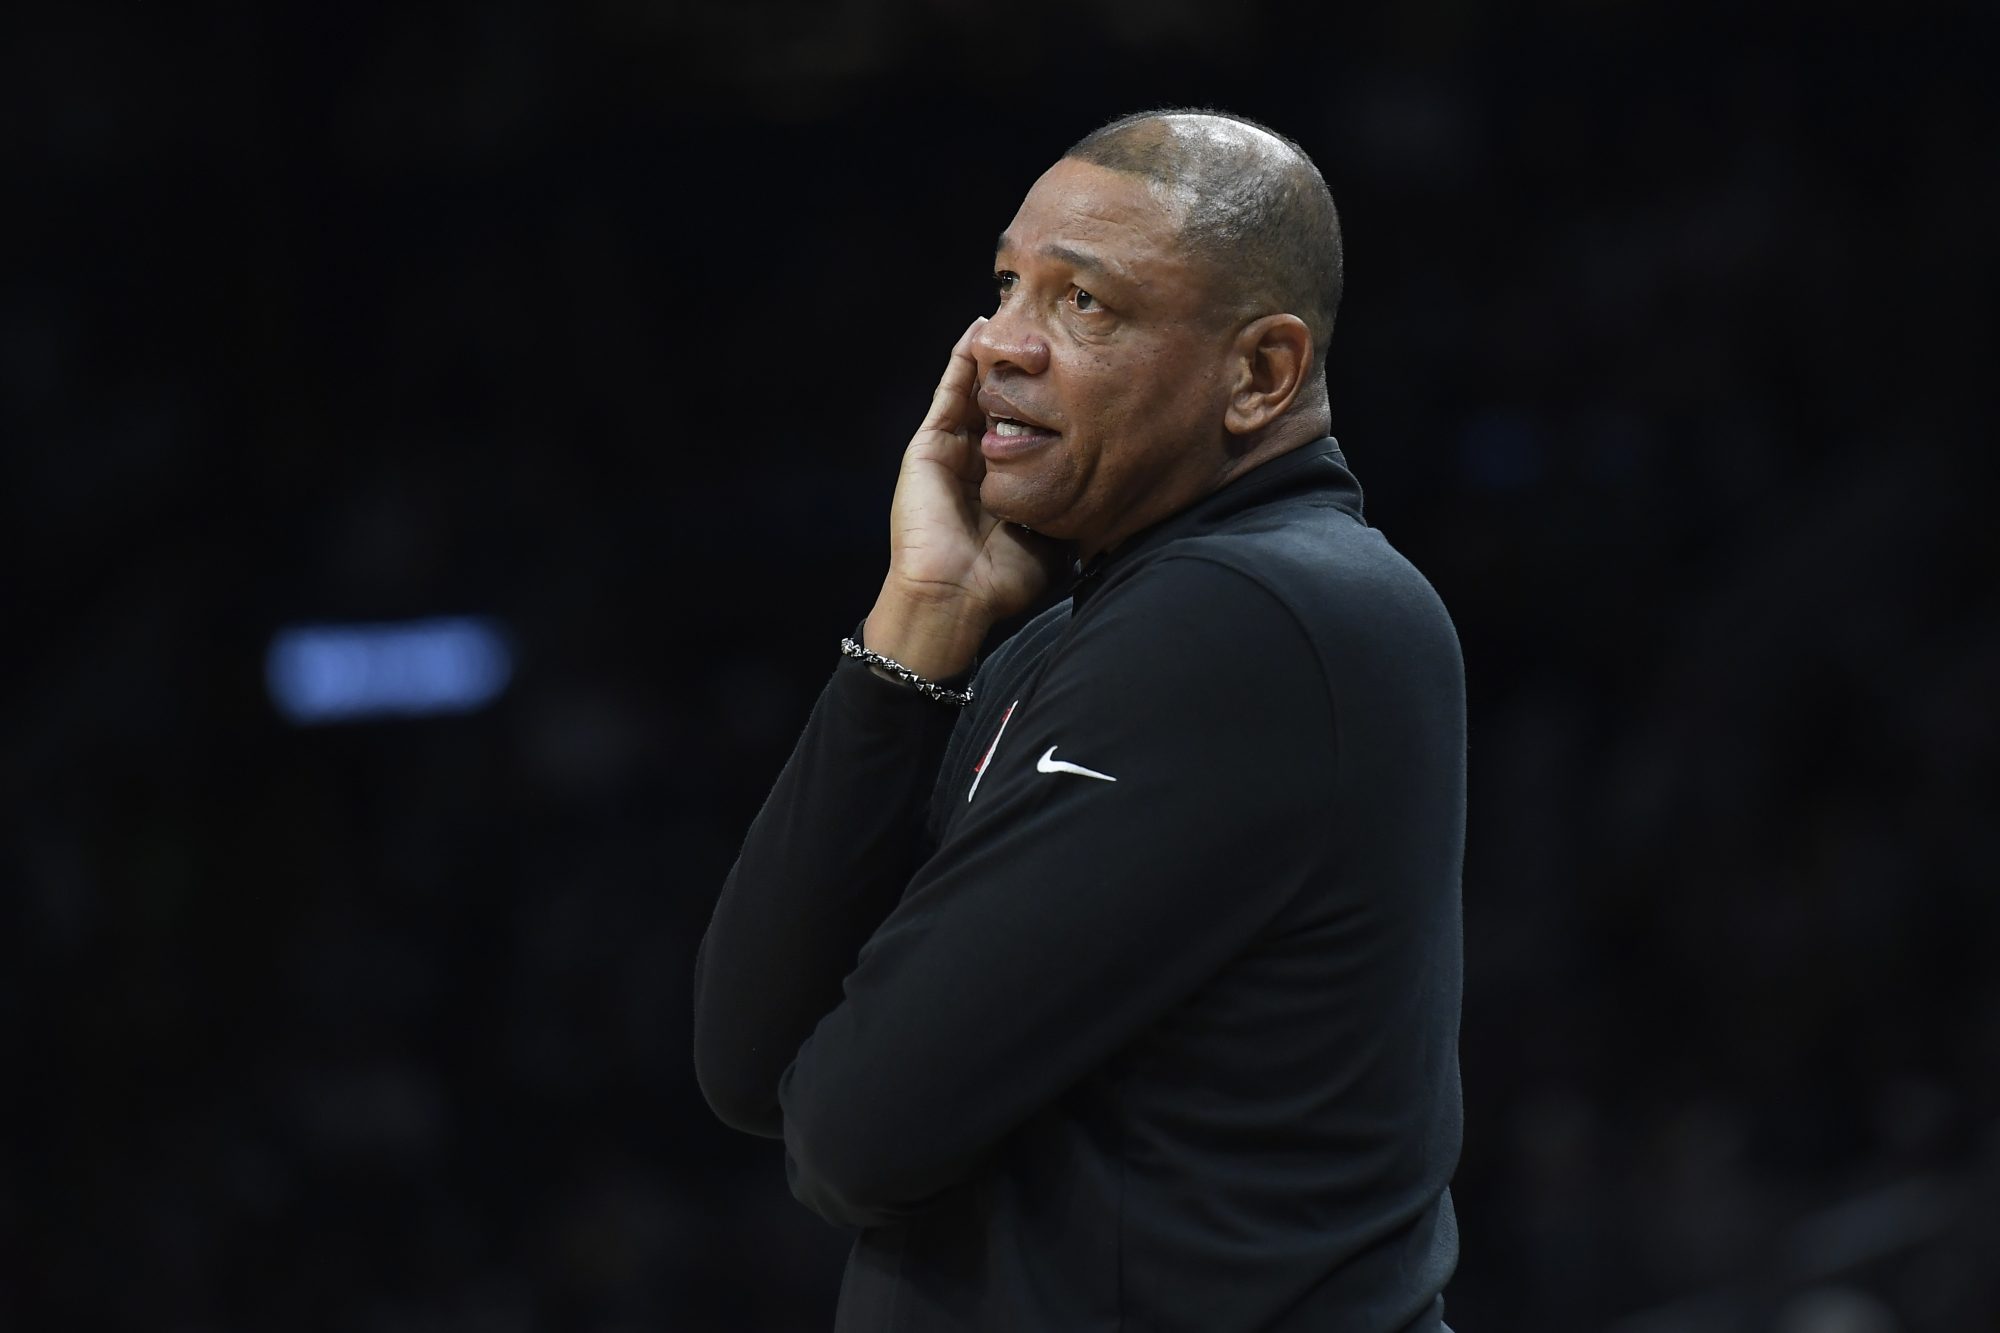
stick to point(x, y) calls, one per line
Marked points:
point(1252, 206)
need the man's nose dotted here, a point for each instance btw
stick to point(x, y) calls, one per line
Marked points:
point(1009, 340)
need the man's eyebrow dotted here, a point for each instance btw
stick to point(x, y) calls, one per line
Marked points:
point(1076, 259)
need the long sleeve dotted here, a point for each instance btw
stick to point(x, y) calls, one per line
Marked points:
point(822, 865)
point(1148, 810)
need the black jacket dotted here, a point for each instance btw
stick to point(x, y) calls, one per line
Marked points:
point(1130, 1001)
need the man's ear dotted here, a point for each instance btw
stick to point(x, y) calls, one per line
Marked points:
point(1273, 357)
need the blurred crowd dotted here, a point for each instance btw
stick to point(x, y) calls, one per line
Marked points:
point(1666, 354)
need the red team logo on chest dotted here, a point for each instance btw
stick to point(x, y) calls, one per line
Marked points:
point(979, 769)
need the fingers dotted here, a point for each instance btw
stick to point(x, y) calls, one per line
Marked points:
point(952, 407)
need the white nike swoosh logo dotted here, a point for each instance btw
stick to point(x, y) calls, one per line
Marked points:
point(1048, 763)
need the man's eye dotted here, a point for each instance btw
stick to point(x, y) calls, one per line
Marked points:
point(1004, 281)
point(1084, 300)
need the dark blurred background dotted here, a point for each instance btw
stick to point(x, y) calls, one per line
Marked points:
point(1667, 353)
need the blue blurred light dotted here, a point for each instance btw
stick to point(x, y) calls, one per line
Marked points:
point(416, 668)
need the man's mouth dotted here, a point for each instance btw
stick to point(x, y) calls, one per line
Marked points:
point(1007, 437)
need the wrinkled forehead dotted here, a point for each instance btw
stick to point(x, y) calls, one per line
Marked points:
point(1081, 201)
point(1116, 224)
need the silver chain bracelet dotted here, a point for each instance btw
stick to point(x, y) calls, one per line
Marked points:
point(930, 689)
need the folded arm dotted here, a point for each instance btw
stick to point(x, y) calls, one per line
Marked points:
point(822, 865)
point(1068, 912)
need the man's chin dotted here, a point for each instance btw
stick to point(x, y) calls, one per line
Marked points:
point(1017, 500)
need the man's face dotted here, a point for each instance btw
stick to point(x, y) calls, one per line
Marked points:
point(1102, 372)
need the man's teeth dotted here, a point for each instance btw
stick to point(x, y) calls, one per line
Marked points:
point(1004, 427)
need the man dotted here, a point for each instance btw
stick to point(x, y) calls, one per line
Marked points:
point(1127, 996)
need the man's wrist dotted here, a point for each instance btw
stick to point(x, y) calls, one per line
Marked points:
point(888, 668)
point(936, 637)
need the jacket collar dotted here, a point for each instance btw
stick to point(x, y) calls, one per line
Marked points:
point(1317, 468)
